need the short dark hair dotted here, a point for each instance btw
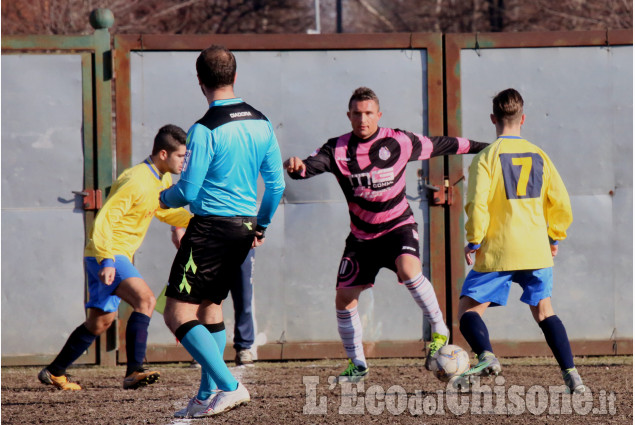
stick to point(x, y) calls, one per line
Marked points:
point(216, 67)
point(362, 93)
point(507, 106)
point(169, 138)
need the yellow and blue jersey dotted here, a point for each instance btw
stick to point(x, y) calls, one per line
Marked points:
point(123, 221)
point(516, 202)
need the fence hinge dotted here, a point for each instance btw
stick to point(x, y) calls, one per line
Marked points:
point(440, 195)
point(92, 198)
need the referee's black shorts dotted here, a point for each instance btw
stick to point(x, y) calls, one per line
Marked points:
point(210, 255)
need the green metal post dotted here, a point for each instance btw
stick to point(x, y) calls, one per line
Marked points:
point(101, 20)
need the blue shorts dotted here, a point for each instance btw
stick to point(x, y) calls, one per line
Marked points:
point(101, 295)
point(494, 287)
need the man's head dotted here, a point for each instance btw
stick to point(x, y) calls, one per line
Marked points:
point(507, 108)
point(216, 67)
point(363, 112)
point(168, 151)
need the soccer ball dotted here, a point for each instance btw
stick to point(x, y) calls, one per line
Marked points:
point(449, 361)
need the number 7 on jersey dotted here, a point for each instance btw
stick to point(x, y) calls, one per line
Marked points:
point(522, 174)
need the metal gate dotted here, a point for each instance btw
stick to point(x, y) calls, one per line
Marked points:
point(302, 82)
point(56, 167)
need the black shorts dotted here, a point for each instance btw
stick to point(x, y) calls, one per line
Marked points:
point(209, 258)
point(362, 259)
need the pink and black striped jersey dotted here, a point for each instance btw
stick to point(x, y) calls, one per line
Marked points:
point(371, 173)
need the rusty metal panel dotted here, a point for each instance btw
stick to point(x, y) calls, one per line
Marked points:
point(578, 102)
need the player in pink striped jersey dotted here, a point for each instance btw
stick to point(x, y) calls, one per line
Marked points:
point(369, 164)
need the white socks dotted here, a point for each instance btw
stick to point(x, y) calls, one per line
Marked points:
point(422, 291)
point(349, 326)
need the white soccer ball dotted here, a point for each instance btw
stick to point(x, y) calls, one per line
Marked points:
point(449, 361)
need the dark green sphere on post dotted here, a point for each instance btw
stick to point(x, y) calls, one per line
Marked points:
point(101, 18)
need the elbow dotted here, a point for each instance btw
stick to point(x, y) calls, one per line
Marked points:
point(276, 188)
point(189, 197)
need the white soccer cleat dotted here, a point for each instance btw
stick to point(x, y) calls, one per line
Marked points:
point(225, 401)
point(194, 406)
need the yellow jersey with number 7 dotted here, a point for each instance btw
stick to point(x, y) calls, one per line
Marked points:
point(516, 201)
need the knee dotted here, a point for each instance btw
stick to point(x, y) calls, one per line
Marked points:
point(539, 316)
point(344, 303)
point(541, 313)
point(98, 327)
point(146, 304)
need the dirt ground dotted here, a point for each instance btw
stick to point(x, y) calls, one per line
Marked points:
point(398, 391)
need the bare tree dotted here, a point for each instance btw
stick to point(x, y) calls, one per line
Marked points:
point(298, 16)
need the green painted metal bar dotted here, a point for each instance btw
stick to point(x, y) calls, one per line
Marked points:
point(101, 20)
point(87, 132)
point(48, 42)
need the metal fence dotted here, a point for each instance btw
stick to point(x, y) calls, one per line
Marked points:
point(428, 83)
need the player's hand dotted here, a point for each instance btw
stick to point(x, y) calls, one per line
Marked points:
point(107, 275)
point(177, 234)
point(259, 238)
point(294, 165)
point(468, 254)
point(257, 242)
point(554, 250)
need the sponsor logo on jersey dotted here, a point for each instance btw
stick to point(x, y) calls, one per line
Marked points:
point(240, 114)
point(342, 158)
point(384, 153)
point(186, 160)
point(376, 179)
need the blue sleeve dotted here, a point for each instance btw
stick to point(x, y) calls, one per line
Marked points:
point(272, 174)
point(198, 157)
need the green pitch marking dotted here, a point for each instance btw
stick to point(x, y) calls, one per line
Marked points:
point(189, 265)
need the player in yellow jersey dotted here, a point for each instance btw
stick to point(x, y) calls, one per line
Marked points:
point(117, 233)
point(517, 209)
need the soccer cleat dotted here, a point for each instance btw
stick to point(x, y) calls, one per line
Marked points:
point(244, 357)
point(353, 373)
point(195, 406)
point(573, 381)
point(487, 364)
point(438, 341)
point(194, 364)
point(225, 401)
point(140, 378)
point(60, 382)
